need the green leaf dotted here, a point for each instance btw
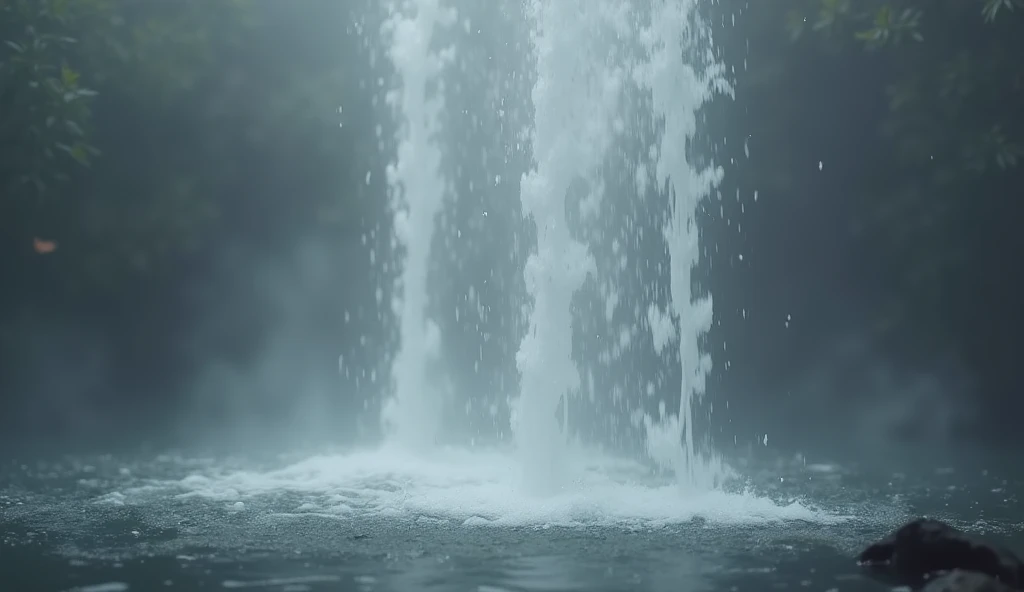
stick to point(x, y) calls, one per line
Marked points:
point(68, 77)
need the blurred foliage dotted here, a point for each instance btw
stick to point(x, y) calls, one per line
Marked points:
point(57, 52)
point(145, 148)
point(953, 135)
point(46, 108)
point(130, 131)
point(59, 61)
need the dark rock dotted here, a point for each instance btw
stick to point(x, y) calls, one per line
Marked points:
point(966, 581)
point(924, 547)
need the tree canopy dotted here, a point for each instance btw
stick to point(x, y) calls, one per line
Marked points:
point(953, 138)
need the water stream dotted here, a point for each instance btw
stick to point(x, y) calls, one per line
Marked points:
point(412, 416)
point(607, 74)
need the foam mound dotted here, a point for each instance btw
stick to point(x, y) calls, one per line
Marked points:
point(472, 488)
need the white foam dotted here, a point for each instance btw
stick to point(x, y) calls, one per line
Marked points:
point(104, 587)
point(473, 489)
point(295, 583)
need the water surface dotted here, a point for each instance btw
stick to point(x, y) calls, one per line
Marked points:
point(377, 520)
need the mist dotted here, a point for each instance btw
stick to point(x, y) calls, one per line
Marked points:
point(226, 276)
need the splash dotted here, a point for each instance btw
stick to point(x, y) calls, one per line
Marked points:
point(412, 416)
point(593, 55)
point(460, 488)
point(681, 75)
point(573, 98)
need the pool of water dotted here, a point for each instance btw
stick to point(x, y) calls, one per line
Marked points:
point(379, 521)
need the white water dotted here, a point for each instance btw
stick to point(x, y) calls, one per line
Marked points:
point(412, 416)
point(581, 77)
point(463, 488)
point(584, 66)
point(573, 100)
point(678, 91)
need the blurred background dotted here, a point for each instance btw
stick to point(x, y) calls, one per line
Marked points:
point(194, 225)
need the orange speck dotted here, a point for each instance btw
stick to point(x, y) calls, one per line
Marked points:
point(44, 247)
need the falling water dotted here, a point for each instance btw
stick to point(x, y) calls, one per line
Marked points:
point(587, 62)
point(680, 79)
point(412, 416)
point(573, 98)
point(607, 74)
